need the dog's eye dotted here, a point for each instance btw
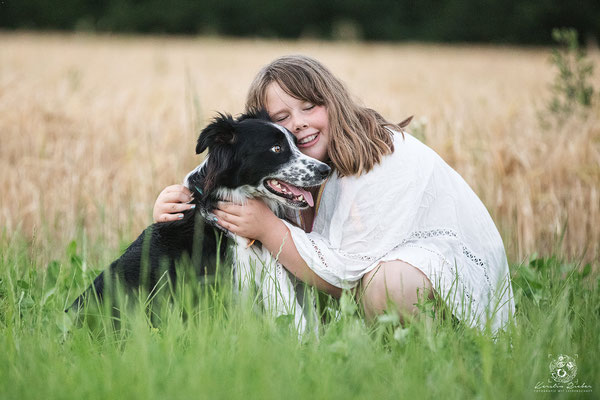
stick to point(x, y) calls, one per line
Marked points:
point(276, 149)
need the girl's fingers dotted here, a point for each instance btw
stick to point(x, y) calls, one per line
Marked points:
point(227, 225)
point(175, 197)
point(177, 207)
point(174, 212)
point(230, 208)
point(177, 188)
point(169, 217)
point(226, 217)
point(225, 221)
point(172, 188)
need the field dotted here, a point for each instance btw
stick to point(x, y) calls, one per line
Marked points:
point(93, 127)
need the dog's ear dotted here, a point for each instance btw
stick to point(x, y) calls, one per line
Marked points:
point(221, 131)
point(255, 113)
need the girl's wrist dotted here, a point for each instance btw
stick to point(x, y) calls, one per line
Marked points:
point(274, 234)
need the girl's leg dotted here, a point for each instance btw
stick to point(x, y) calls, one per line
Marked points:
point(395, 284)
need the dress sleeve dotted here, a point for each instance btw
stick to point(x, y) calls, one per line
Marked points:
point(323, 258)
point(361, 219)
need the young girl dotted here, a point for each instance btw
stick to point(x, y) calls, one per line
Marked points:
point(393, 221)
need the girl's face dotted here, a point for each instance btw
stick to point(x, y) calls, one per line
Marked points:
point(309, 123)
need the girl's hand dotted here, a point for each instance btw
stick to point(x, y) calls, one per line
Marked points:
point(251, 220)
point(171, 202)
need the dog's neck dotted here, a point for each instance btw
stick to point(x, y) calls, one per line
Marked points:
point(206, 199)
point(242, 194)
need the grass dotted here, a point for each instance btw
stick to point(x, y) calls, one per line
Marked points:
point(93, 127)
point(216, 347)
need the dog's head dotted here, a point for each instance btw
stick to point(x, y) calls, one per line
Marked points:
point(252, 157)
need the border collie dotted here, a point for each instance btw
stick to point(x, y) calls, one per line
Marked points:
point(247, 157)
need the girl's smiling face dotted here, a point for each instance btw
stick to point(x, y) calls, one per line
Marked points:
point(308, 122)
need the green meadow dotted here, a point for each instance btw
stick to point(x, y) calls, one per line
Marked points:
point(205, 343)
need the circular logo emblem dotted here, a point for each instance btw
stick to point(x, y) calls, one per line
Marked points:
point(563, 369)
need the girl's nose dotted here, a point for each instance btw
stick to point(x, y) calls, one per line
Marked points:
point(299, 125)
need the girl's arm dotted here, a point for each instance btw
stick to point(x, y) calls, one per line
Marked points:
point(256, 221)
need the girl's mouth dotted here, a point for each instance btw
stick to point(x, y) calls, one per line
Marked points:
point(309, 140)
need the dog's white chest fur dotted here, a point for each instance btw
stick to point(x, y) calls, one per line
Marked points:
point(256, 270)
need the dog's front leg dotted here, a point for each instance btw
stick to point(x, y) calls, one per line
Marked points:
point(280, 294)
point(256, 269)
point(247, 266)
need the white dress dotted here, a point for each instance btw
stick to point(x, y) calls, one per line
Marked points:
point(412, 207)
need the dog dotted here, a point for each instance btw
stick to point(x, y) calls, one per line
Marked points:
point(248, 157)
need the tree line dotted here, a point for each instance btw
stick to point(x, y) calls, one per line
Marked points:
point(491, 21)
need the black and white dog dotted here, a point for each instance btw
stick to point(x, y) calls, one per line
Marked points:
point(247, 157)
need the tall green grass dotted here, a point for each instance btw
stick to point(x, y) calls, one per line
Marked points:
point(207, 344)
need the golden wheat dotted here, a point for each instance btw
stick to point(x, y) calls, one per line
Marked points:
point(93, 127)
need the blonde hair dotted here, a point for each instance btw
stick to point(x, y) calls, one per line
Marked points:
point(358, 137)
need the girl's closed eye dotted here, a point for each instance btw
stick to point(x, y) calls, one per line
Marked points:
point(309, 107)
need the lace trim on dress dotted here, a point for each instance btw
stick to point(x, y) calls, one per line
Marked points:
point(357, 256)
point(412, 236)
point(450, 233)
point(477, 261)
point(430, 233)
point(318, 251)
point(453, 270)
point(406, 242)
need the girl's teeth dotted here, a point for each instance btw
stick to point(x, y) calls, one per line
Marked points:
point(308, 139)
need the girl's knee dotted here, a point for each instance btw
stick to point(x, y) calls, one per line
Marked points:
point(393, 284)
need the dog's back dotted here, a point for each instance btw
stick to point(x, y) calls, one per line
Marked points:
point(156, 255)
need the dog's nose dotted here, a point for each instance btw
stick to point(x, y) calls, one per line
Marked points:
point(323, 170)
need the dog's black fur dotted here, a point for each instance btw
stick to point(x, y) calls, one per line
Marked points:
point(244, 154)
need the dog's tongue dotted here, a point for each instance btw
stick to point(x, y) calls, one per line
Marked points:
point(299, 191)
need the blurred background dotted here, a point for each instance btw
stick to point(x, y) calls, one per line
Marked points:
point(101, 102)
point(488, 21)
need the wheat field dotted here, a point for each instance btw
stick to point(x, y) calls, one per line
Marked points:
point(93, 127)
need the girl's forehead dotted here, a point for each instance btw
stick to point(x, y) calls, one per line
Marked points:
point(276, 96)
point(279, 87)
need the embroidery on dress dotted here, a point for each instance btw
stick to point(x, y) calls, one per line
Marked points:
point(430, 233)
point(319, 253)
point(454, 272)
point(450, 233)
point(357, 256)
point(477, 261)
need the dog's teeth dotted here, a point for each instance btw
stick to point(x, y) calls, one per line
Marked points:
point(300, 198)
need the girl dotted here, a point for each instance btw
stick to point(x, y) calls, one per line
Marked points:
point(393, 221)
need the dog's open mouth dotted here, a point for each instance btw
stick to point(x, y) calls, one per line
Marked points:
point(299, 197)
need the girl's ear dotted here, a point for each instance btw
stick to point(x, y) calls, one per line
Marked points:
point(221, 131)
